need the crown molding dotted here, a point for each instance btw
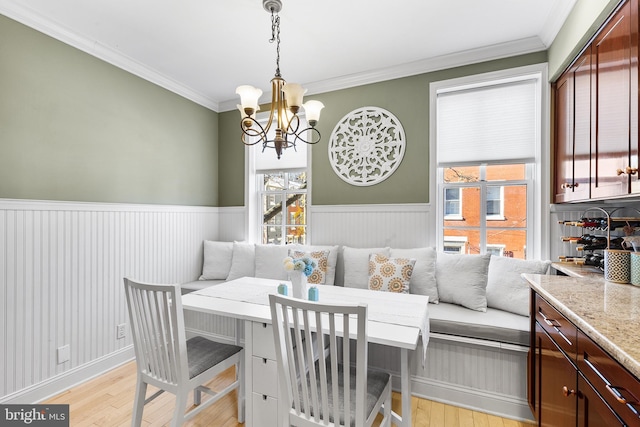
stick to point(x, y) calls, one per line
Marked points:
point(555, 20)
point(40, 23)
point(458, 59)
point(32, 19)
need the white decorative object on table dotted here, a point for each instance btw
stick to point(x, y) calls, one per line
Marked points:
point(299, 284)
point(299, 269)
point(367, 146)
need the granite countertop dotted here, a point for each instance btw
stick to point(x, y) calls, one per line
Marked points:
point(609, 313)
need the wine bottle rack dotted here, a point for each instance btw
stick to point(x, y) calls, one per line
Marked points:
point(599, 221)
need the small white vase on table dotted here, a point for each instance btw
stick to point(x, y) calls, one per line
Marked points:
point(299, 269)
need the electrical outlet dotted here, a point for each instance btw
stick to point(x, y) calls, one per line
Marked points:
point(64, 354)
point(120, 331)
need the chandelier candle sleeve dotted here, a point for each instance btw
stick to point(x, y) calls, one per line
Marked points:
point(286, 100)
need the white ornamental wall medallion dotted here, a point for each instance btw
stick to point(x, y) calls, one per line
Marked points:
point(366, 146)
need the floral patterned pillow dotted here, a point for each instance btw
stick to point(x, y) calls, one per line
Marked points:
point(319, 273)
point(390, 274)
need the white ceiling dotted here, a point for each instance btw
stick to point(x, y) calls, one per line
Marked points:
point(203, 49)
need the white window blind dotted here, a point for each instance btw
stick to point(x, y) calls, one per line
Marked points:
point(499, 122)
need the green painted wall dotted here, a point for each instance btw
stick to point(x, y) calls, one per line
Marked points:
point(75, 128)
point(583, 22)
point(406, 98)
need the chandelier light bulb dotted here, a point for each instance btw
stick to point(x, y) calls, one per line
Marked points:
point(249, 96)
point(312, 110)
point(293, 94)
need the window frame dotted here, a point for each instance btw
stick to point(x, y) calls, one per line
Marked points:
point(252, 196)
point(538, 211)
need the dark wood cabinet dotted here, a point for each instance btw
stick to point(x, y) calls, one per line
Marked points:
point(611, 87)
point(573, 131)
point(596, 114)
point(573, 381)
point(593, 411)
point(557, 381)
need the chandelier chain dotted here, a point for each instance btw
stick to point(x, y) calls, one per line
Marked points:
point(275, 36)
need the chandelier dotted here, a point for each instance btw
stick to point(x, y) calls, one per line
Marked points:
point(286, 100)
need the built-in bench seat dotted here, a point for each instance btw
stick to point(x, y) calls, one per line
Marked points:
point(479, 330)
point(493, 325)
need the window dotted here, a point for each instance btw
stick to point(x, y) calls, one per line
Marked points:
point(277, 194)
point(452, 203)
point(486, 150)
point(495, 205)
point(283, 207)
point(455, 245)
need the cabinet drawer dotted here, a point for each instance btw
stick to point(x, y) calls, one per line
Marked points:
point(265, 376)
point(561, 330)
point(265, 410)
point(263, 343)
point(619, 388)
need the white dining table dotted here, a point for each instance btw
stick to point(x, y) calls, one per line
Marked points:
point(395, 320)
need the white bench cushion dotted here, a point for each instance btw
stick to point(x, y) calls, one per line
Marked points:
point(492, 325)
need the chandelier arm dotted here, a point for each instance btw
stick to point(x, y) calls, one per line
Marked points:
point(315, 136)
point(251, 132)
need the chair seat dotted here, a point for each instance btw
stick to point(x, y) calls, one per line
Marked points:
point(203, 354)
point(376, 383)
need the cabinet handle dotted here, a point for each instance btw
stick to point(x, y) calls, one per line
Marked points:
point(567, 185)
point(627, 171)
point(610, 388)
point(566, 392)
point(551, 322)
point(616, 394)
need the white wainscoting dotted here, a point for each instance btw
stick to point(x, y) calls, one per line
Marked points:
point(61, 270)
point(366, 226)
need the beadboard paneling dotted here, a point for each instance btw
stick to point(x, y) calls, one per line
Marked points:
point(398, 226)
point(61, 270)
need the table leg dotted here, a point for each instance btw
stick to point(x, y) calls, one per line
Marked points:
point(405, 387)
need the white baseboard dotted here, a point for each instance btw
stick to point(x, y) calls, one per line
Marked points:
point(59, 383)
point(465, 397)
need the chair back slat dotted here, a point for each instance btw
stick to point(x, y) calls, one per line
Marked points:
point(156, 330)
point(335, 384)
point(305, 373)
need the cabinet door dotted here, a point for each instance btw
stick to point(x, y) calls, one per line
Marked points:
point(573, 131)
point(564, 137)
point(611, 100)
point(593, 411)
point(557, 380)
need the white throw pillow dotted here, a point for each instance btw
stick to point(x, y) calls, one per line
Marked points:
point(506, 290)
point(269, 261)
point(243, 261)
point(462, 279)
point(390, 274)
point(217, 260)
point(332, 260)
point(423, 278)
point(356, 265)
point(319, 274)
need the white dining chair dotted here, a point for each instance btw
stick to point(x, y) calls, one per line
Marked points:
point(319, 384)
point(167, 360)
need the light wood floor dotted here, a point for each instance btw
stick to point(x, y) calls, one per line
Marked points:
point(107, 401)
